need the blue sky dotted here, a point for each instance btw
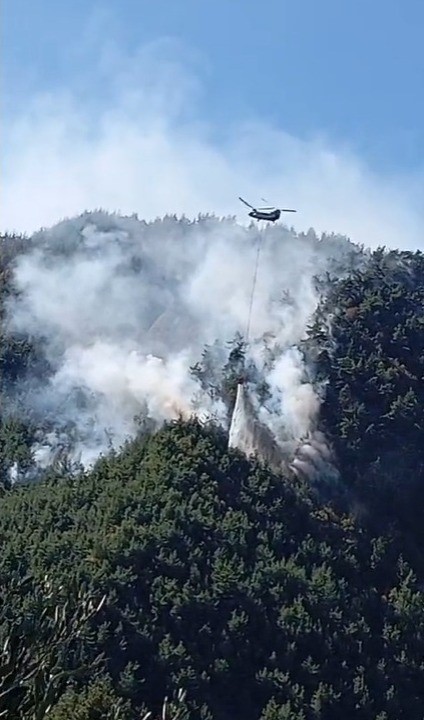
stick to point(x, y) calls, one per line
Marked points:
point(352, 70)
point(350, 73)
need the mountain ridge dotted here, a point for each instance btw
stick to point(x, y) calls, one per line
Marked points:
point(263, 594)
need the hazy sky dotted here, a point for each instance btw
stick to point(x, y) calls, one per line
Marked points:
point(181, 105)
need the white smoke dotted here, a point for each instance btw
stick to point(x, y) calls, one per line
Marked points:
point(140, 145)
point(124, 309)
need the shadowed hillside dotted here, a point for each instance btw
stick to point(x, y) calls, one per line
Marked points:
point(220, 578)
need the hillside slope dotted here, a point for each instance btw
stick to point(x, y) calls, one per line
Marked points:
point(372, 358)
point(264, 595)
point(221, 578)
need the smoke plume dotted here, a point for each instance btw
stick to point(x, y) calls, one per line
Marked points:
point(124, 308)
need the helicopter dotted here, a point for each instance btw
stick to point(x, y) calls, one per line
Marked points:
point(265, 213)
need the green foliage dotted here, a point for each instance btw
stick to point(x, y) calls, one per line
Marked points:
point(95, 701)
point(16, 438)
point(221, 579)
point(374, 367)
point(19, 358)
point(227, 588)
point(38, 645)
point(220, 370)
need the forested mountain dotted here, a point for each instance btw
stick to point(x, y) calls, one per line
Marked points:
point(171, 562)
point(373, 363)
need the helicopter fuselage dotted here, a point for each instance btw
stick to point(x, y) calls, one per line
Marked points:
point(271, 216)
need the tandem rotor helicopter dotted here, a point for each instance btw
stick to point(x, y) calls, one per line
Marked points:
point(265, 213)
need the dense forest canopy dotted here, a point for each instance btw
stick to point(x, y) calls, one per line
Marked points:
point(374, 367)
point(172, 564)
point(220, 578)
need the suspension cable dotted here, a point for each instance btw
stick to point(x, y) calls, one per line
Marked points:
point(255, 275)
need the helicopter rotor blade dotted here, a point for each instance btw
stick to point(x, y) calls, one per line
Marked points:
point(246, 203)
point(286, 210)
